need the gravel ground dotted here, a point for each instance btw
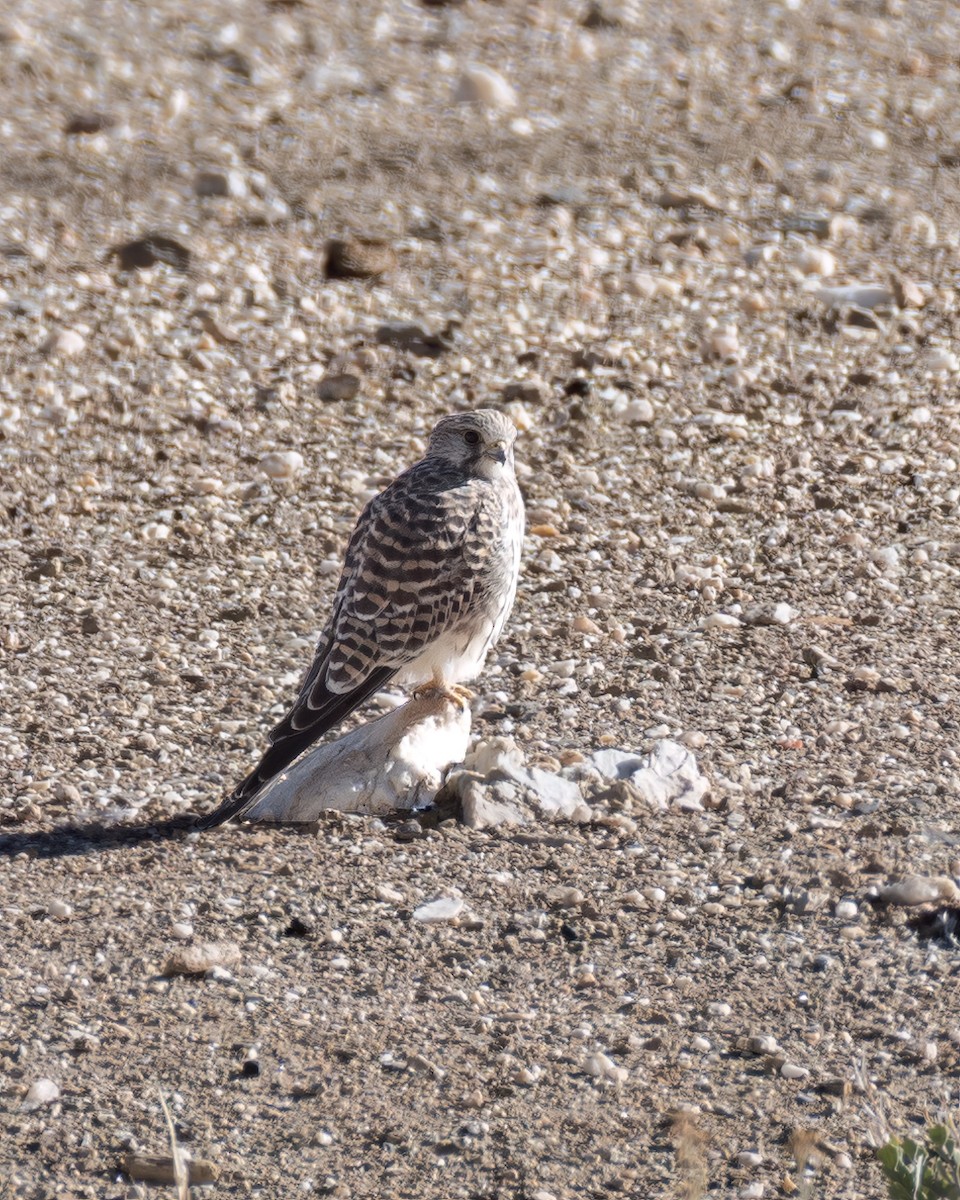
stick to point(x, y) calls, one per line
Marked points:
point(743, 534)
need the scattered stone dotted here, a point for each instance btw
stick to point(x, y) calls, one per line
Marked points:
point(666, 777)
point(762, 1044)
point(358, 258)
point(770, 614)
point(219, 184)
point(89, 123)
point(59, 909)
point(816, 260)
point(486, 88)
point(526, 391)
point(791, 1070)
point(162, 1169)
point(63, 343)
point(846, 910)
point(406, 335)
point(868, 296)
point(182, 930)
point(486, 807)
point(223, 335)
point(437, 912)
point(912, 890)
point(154, 248)
point(41, 1092)
point(282, 464)
point(599, 1066)
point(200, 958)
point(332, 388)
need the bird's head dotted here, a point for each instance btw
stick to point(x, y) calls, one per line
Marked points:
point(480, 442)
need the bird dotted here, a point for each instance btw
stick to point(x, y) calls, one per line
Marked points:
point(429, 579)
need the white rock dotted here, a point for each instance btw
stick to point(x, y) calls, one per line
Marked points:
point(389, 895)
point(749, 1158)
point(599, 1066)
point(770, 614)
point(719, 620)
point(333, 78)
point(859, 295)
point(282, 464)
point(639, 411)
point(59, 909)
point(482, 810)
point(762, 1043)
point(182, 930)
point(667, 776)
point(815, 260)
point(63, 342)
point(42, 1091)
point(220, 183)
point(846, 910)
point(791, 1070)
point(920, 889)
point(941, 361)
point(484, 86)
point(438, 911)
point(494, 754)
point(395, 761)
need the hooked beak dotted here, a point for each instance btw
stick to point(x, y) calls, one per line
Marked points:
point(498, 453)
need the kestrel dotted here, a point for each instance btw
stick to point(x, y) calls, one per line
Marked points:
point(428, 581)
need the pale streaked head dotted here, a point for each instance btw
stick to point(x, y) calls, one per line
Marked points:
point(480, 442)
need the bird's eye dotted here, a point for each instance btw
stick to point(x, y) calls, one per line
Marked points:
point(472, 437)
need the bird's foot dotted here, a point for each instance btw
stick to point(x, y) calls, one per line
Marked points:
point(454, 692)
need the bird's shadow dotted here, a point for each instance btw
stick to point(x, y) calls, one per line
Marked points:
point(73, 840)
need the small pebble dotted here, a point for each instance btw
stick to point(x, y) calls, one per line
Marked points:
point(60, 909)
point(815, 260)
point(485, 87)
point(42, 1091)
point(438, 911)
point(198, 959)
point(846, 910)
point(66, 343)
point(282, 464)
point(790, 1070)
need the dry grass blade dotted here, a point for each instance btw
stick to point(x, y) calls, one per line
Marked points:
point(181, 1178)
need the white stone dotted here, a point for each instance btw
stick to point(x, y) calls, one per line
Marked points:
point(667, 776)
point(282, 464)
point(815, 260)
point(941, 361)
point(63, 342)
point(59, 909)
point(859, 295)
point(719, 620)
point(42, 1091)
point(791, 1070)
point(483, 86)
point(438, 911)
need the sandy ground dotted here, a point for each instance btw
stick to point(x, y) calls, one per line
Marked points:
point(743, 522)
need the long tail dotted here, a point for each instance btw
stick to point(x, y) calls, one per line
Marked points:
point(288, 742)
